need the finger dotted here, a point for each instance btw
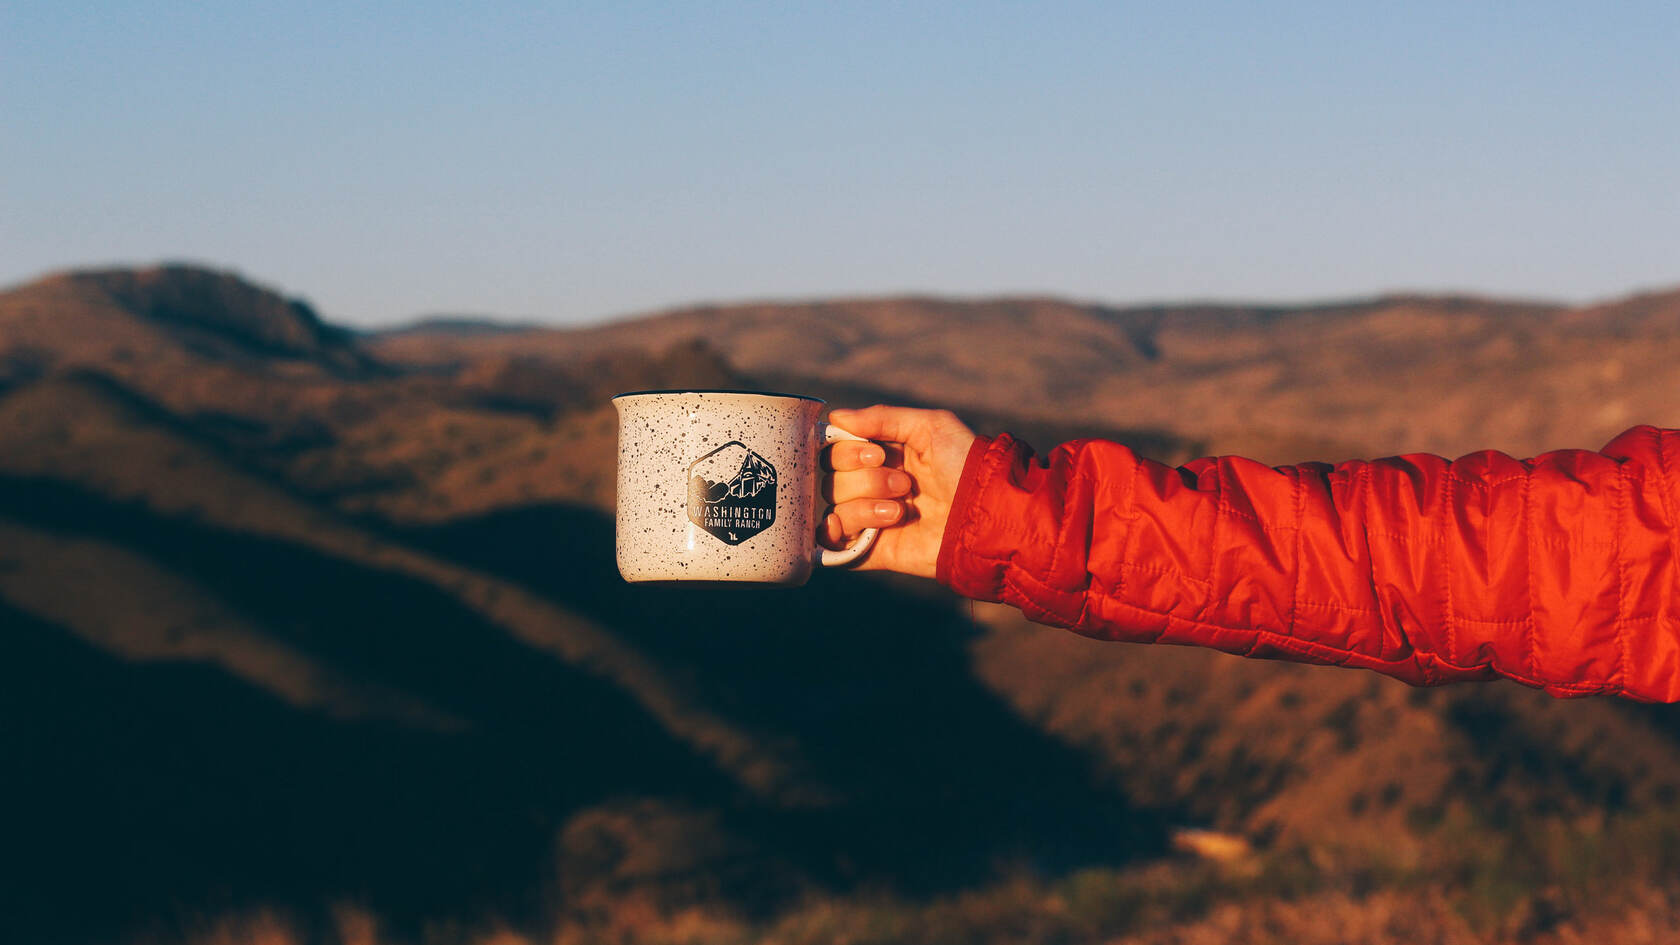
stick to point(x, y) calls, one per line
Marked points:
point(882, 422)
point(855, 516)
point(833, 532)
point(850, 454)
point(878, 483)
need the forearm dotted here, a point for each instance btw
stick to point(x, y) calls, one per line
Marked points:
point(1557, 572)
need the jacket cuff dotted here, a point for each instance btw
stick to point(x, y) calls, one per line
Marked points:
point(959, 568)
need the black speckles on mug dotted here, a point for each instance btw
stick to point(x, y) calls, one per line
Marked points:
point(683, 516)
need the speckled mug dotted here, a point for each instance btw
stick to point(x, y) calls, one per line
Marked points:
point(719, 485)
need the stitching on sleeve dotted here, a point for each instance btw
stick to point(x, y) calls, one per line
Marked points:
point(1533, 634)
point(1070, 506)
point(1493, 621)
point(1424, 540)
point(1625, 498)
point(1300, 504)
point(1130, 516)
point(1446, 574)
point(1213, 547)
point(1124, 565)
point(1661, 443)
point(1429, 666)
point(1069, 501)
point(1306, 603)
point(1462, 479)
point(1259, 522)
point(1566, 543)
point(1164, 571)
point(1365, 496)
point(1235, 512)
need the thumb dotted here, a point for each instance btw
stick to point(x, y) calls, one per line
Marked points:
point(881, 422)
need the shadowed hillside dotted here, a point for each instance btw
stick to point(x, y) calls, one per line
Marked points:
point(318, 638)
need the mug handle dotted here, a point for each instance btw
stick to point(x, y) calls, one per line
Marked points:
point(829, 557)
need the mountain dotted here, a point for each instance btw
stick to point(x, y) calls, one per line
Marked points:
point(316, 636)
point(460, 325)
point(212, 314)
point(1394, 374)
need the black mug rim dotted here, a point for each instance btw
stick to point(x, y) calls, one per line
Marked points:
point(719, 390)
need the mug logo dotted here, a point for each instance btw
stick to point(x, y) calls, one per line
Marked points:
point(732, 493)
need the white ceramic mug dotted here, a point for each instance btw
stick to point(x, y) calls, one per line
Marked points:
point(717, 485)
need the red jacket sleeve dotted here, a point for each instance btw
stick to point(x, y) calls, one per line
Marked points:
point(1558, 572)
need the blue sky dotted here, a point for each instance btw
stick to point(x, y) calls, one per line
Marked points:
point(574, 162)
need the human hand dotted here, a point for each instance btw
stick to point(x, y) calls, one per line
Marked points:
point(903, 484)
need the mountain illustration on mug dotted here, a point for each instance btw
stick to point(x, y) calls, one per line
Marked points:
point(732, 493)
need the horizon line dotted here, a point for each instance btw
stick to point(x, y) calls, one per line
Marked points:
point(538, 322)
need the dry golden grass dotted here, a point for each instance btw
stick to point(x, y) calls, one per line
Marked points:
point(1103, 909)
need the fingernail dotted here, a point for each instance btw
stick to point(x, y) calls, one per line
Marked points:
point(886, 511)
point(871, 455)
point(899, 482)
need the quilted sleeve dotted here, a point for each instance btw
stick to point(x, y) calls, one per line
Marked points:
point(1558, 572)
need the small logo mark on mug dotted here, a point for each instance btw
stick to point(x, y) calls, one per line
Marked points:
point(732, 493)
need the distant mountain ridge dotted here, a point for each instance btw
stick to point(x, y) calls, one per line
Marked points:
point(1395, 373)
point(464, 325)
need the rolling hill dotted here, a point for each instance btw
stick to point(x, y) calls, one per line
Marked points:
point(1394, 374)
point(317, 636)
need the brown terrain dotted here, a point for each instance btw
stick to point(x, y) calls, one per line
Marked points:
point(316, 636)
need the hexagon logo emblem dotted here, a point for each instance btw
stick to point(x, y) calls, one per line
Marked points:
point(732, 493)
